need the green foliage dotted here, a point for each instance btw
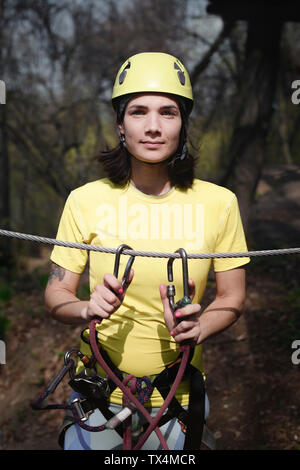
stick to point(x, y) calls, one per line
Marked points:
point(293, 298)
point(43, 279)
point(5, 291)
point(60, 354)
point(210, 146)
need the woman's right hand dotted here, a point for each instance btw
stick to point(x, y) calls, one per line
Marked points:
point(106, 298)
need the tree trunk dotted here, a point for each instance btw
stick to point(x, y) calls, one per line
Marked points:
point(283, 134)
point(246, 153)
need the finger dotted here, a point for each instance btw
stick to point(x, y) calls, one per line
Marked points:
point(105, 293)
point(185, 326)
point(164, 298)
point(188, 311)
point(186, 334)
point(108, 306)
point(112, 283)
point(110, 297)
point(94, 309)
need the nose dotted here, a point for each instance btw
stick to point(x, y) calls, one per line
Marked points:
point(152, 124)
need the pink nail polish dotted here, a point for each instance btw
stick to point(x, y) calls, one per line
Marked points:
point(177, 314)
point(171, 333)
point(120, 291)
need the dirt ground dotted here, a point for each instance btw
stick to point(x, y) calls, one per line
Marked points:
point(252, 384)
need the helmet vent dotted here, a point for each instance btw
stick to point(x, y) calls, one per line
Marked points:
point(123, 73)
point(180, 74)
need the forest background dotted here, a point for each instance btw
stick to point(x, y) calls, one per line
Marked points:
point(58, 60)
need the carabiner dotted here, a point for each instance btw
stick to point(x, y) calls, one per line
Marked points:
point(185, 277)
point(68, 361)
point(128, 266)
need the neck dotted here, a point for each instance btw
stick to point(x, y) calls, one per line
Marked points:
point(150, 179)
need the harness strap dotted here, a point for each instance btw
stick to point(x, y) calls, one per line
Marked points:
point(196, 410)
point(193, 419)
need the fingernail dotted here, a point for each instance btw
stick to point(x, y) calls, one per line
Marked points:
point(177, 314)
point(120, 291)
point(171, 333)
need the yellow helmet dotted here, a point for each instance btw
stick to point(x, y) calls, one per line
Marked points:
point(154, 72)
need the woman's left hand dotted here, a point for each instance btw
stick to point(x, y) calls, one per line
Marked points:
point(185, 327)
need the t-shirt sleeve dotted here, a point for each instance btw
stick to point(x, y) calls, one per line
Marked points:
point(231, 237)
point(71, 228)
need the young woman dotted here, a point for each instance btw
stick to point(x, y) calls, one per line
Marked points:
point(150, 201)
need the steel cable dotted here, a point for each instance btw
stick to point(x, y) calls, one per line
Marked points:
point(150, 254)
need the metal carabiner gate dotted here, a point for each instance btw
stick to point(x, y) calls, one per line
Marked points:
point(185, 300)
point(125, 277)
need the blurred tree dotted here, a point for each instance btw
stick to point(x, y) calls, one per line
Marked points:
point(6, 255)
point(63, 59)
point(256, 94)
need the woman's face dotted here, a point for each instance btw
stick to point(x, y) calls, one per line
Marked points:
point(151, 125)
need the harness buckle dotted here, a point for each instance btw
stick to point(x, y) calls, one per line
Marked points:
point(83, 416)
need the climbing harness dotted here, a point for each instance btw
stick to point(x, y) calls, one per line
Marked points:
point(95, 390)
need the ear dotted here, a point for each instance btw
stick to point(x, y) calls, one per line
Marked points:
point(121, 128)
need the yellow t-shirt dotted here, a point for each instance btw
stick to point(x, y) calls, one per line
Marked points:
point(204, 218)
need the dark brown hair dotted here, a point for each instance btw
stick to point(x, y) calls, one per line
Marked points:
point(116, 162)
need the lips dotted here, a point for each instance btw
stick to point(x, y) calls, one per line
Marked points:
point(152, 144)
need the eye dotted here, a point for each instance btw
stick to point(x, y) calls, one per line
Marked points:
point(137, 112)
point(169, 112)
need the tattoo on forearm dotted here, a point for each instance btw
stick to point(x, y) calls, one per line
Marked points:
point(54, 310)
point(57, 272)
point(237, 312)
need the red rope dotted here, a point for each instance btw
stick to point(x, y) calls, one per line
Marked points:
point(152, 422)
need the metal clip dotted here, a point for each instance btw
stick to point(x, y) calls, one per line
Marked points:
point(69, 366)
point(68, 360)
point(185, 277)
point(128, 266)
point(79, 410)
